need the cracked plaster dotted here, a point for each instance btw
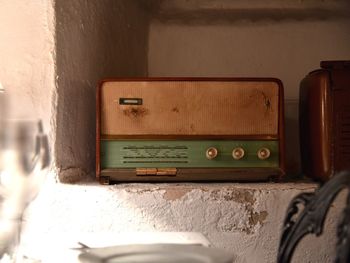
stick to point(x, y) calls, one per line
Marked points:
point(244, 218)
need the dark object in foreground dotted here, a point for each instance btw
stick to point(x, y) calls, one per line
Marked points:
point(311, 219)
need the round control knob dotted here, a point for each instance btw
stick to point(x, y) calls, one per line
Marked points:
point(264, 153)
point(238, 153)
point(211, 153)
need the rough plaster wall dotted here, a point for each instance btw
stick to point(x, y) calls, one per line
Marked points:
point(284, 39)
point(244, 218)
point(285, 49)
point(93, 42)
point(27, 59)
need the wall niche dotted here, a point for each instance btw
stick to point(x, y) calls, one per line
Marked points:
point(221, 38)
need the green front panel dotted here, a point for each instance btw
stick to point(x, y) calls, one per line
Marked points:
point(184, 154)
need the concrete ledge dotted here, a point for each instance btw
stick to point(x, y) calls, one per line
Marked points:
point(245, 218)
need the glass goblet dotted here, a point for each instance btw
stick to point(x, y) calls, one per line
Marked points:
point(24, 161)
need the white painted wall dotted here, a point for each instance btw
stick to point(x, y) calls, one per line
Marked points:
point(283, 49)
point(71, 45)
point(27, 60)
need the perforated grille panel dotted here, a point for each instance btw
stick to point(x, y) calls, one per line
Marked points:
point(190, 108)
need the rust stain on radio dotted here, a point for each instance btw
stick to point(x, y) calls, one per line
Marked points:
point(267, 102)
point(135, 112)
point(192, 127)
point(259, 95)
point(175, 109)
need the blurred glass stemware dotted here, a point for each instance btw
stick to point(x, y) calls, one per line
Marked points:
point(24, 162)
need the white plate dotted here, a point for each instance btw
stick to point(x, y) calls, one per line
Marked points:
point(156, 253)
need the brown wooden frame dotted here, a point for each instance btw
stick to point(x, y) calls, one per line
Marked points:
point(324, 95)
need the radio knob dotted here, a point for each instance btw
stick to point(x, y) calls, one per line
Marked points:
point(264, 153)
point(211, 153)
point(238, 153)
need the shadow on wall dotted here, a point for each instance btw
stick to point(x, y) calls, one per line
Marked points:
point(91, 44)
point(207, 12)
point(293, 166)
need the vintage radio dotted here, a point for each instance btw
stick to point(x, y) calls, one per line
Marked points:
point(325, 120)
point(189, 129)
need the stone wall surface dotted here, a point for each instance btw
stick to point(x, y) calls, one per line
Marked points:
point(94, 42)
point(244, 218)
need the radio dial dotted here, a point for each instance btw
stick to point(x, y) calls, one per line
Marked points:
point(264, 153)
point(211, 153)
point(238, 153)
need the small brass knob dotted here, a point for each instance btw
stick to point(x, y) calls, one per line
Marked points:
point(238, 153)
point(264, 153)
point(211, 153)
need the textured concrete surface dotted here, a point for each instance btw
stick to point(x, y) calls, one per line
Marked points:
point(244, 218)
point(93, 42)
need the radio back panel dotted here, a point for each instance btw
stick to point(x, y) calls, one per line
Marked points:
point(324, 115)
point(189, 129)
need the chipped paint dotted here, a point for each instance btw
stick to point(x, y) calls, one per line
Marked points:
point(246, 218)
point(236, 195)
point(142, 190)
point(257, 218)
point(135, 112)
point(243, 218)
point(175, 194)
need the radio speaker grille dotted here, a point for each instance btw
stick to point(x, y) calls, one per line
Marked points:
point(190, 108)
